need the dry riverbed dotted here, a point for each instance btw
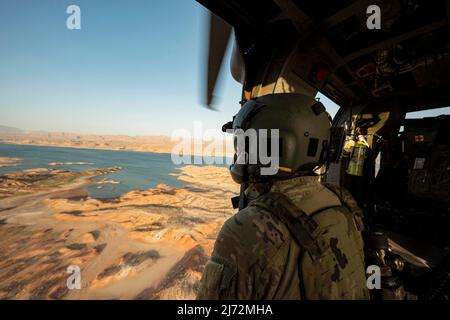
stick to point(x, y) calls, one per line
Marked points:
point(149, 244)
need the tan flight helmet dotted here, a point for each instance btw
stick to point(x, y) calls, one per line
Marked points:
point(303, 137)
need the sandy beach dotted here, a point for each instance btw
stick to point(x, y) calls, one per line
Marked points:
point(145, 244)
point(9, 162)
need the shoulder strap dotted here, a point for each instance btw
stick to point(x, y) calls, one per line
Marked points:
point(349, 202)
point(302, 227)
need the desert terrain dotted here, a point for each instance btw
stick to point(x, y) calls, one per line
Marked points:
point(158, 144)
point(145, 244)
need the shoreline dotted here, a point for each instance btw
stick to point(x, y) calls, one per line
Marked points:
point(89, 159)
point(78, 147)
point(156, 150)
point(37, 180)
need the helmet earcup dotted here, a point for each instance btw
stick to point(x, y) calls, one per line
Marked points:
point(237, 173)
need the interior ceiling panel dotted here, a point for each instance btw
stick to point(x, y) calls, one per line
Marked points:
point(410, 52)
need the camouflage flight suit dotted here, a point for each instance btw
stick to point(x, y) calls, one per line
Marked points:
point(255, 256)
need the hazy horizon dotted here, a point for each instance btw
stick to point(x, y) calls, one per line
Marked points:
point(131, 69)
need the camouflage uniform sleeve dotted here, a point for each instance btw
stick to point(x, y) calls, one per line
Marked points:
point(241, 263)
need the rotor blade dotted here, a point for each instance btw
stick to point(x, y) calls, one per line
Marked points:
point(237, 65)
point(219, 34)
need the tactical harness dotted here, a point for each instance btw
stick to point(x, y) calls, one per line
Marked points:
point(303, 229)
point(305, 232)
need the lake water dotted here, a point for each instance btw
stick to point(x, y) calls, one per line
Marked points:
point(140, 170)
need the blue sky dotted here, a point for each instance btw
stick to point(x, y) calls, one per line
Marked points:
point(131, 69)
point(135, 67)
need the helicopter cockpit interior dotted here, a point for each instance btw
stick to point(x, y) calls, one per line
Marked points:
point(397, 168)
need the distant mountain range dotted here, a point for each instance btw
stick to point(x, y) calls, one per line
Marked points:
point(161, 144)
point(6, 128)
